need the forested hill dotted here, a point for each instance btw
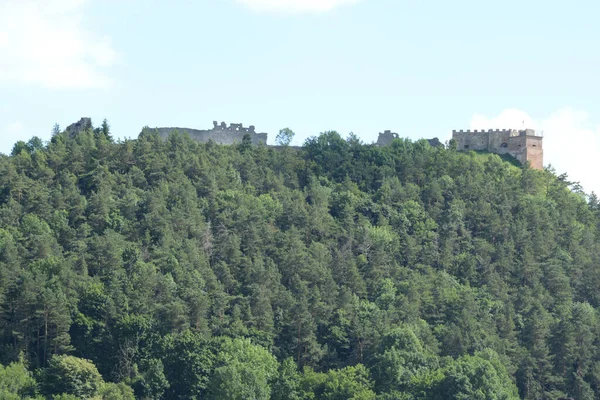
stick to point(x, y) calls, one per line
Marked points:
point(179, 270)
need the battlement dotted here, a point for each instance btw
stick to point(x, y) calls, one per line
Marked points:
point(523, 144)
point(220, 133)
point(511, 132)
point(232, 127)
point(468, 131)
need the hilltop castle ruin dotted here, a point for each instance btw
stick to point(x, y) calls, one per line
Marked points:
point(524, 145)
point(221, 133)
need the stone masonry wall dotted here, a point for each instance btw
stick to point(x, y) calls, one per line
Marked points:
point(221, 133)
point(535, 152)
point(387, 137)
point(517, 148)
point(499, 142)
point(523, 145)
point(471, 140)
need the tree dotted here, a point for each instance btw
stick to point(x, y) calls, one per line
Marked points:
point(242, 371)
point(246, 144)
point(183, 269)
point(153, 382)
point(350, 383)
point(478, 377)
point(19, 147)
point(116, 391)
point(105, 128)
point(16, 382)
point(71, 375)
point(399, 359)
point(188, 362)
point(35, 144)
point(285, 137)
point(287, 385)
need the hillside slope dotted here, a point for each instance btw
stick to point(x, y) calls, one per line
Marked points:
point(340, 270)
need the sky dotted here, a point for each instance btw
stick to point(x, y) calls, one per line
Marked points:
point(418, 68)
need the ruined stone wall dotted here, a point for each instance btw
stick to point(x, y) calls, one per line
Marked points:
point(386, 138)
point(221, 134)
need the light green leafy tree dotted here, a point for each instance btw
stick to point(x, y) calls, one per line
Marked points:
point(116, 391)
point(71, 375)
point(285, 137)
point(242, 371)
point(16, 382)
point(350, 383)
point(478, 377)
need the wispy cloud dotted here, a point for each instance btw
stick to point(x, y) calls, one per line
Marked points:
point(295, 6)
point(571, 140)
point(44, 42)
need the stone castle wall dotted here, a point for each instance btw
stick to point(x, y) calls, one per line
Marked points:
point(523, 145)
point(221, 134)
point(535, 152)
point(387, 137)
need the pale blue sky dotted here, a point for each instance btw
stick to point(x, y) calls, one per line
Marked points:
point(419, 68)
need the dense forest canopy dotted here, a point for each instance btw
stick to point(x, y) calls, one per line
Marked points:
point(171, 269)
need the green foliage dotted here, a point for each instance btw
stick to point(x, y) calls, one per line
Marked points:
point(400, 359)
point(479, 377)
point(242, 371)
point(188, 361)
point(347, 383)
point(153, 382)
point(337, 270)
point(65, 396)
point(71, 375)
point(350, 383)
point(16, 382)
point(287, 384)
point(285, 137)
point(114, 391)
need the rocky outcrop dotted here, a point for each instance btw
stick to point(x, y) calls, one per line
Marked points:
point(435, 142)
point(80, 126)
